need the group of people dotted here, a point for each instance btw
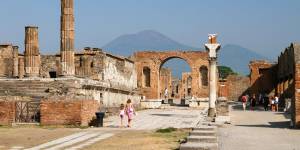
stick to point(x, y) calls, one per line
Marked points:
point(127, 110)
point(268, 102)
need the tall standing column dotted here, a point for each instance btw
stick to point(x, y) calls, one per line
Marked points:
point(212, 47)
point(32, 52)
point(16, 61)
point(67, 38)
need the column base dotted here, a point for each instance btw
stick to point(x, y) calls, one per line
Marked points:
point(212, 112)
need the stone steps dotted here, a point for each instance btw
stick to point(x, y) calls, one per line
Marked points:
point(199, 146)
point(203, 133)
point(205, 128)
point(202, 139)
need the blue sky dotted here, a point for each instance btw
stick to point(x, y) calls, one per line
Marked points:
point(265, 26)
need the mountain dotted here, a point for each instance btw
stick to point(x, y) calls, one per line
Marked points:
point(238, 58)
point(234, 56)
point(126, 45)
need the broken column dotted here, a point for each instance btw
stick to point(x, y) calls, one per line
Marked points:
point(16, 61)
point(67, 39)
point(32, 52)
point(212, 47)
point(21, 67)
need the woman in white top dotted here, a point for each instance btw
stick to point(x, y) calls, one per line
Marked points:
point(276, 102)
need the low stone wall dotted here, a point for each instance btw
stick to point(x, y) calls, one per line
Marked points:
point(151, 104)
point(68, 112)
point(7, 112)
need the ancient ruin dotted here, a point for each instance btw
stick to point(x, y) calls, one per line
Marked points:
point(280, 79)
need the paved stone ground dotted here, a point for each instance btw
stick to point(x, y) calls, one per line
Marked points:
point(177, 117)
point(258, 130)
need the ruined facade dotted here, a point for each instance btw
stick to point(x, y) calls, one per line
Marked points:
point(149, 63)
point(281, 78)
point(33, 85)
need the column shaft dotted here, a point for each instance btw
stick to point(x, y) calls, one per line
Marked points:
point(32, 52)
point(67, 38)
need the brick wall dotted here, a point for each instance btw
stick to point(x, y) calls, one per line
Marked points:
point(236, 86)
point(296, 99)
point(68, 112)
point(7, 112)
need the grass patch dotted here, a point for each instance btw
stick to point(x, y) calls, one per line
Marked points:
point(166, 130)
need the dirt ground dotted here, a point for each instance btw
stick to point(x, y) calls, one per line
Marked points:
point(142, 140)
point(31, 136)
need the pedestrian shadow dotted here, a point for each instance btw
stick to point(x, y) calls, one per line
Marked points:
point(281, 125)
point(163, 115)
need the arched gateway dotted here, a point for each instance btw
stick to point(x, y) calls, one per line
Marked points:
point(149, 63)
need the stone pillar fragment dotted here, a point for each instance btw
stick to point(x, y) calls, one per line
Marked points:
point(16, 61)
point(32, 52)
point(212, 48)
point(67, 38)
point(21, 70)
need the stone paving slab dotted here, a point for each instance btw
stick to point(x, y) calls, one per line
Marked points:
point(177, 117)
point(258, 130)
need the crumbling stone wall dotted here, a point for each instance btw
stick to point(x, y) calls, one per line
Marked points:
point(165, 82)
point(6, 60)
point(154, 60)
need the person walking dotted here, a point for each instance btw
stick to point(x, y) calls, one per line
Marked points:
point(129, 109)
point(252, 102)
point(244, 102)
point(122, 114)
point(276, 102)
point(266, 102)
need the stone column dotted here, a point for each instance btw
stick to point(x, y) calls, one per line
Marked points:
point(32, 52)
point(16, 61)
point(67, 39)
point(212, 47)
point(21, 67)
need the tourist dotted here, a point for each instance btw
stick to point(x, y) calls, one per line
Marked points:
point(129, 109)
point(252, 102)
point(244, 101)
point(122, 114)
point(272, 103)
point(266, 102)
point(276, 102)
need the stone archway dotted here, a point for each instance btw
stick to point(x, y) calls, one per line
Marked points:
point(154, 61)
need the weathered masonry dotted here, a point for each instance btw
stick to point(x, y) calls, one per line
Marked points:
point(149, 64)
point(281, 78)
point(47, 88)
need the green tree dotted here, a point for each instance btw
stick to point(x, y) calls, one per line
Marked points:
point(225, 71)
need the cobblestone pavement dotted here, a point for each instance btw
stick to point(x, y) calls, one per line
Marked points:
point(258, 130)
point(177, 117)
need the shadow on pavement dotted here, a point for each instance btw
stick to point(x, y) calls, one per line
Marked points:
point(282, 125)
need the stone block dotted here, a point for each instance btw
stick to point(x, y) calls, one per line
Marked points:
point(199, 146)
point(202, 139)
point(203, 133)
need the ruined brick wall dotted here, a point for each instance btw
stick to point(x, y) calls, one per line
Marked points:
point(223, 89)
point(262, 77)
point(236, 85)
point(6, 60)
point(49, 63)
point(7, 112)
point(296, 99)
point(186, 85)
point(165, 82)
point(154, 60)
point(68, 112)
